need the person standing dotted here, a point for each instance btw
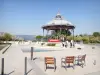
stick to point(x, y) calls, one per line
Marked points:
point(66, 44)
point(62, 44)
point(71, 44)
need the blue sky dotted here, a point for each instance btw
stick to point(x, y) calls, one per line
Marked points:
point(27, 16)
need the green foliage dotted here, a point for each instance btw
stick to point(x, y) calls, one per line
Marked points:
point(78, 38)
point(95, 34)
point(2, 38)
point(59, 33)
point(98, 41)
point(65, 32)
point(39, 37)
point(51, 44)
point(7, 37)
point(92, 39)
point(81, 35)
point(85, 39)
point(69, 37)
point(95, 38)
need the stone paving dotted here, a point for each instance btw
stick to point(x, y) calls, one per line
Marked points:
point(15, 65)
point(14, 61)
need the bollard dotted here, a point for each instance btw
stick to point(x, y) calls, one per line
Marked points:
point(2, 68)
point(94, 62)
point(31, 53)
point(25, 65)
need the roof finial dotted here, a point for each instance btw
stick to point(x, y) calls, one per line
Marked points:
point(58, 12)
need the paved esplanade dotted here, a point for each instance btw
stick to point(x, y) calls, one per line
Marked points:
point(14, 61)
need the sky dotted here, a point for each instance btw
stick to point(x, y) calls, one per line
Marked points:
point(26, 17)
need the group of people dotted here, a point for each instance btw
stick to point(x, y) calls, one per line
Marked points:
point(66, 43)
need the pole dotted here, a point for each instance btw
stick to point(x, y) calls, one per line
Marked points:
point(73, 38)
point(2, 68)
point(31, 53)
point(43, 32)
point(67, 31)
point(47, 34)
point(60, 35)
point(43, 35)
point(25, 65)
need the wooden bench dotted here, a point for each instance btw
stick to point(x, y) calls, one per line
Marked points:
point(50, 60)
point(81, 60)
point(67, 60)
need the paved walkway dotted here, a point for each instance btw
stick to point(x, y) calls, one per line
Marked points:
point(14, 61)
point(36, 68)
point(94, 73)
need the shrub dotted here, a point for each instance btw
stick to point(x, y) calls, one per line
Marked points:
point(69, 37)
point(39, 37)
point(95, 34)
point(78, 38)
point(94, 39)
point(98, 41)
point(51, 44)
point(85, 40)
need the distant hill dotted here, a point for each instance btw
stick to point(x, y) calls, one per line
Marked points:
point(27, 37)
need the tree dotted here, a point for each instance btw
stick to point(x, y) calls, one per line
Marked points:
point(81, 35)
point(78, 38)
point(69, 37)
point(0, 38)
point(92, 39)
point(95, 34)
point(58, 34)
point(66, 32)
point(85, 39)
point(7, 37)
point(39, 37)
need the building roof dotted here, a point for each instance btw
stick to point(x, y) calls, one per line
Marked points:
point(59, 20)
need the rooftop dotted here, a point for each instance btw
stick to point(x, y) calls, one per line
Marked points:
point(59, 20)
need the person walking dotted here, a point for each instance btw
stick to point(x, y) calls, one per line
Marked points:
point(66, 44)
point(71, 44)
point(63, 44)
